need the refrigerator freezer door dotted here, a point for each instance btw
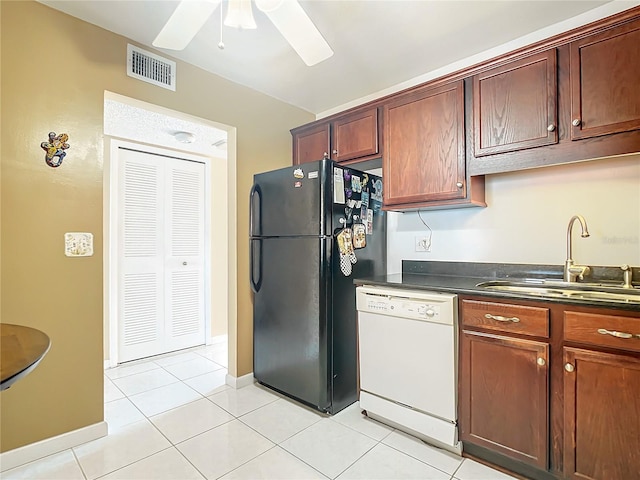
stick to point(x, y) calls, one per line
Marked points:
point(291, 319)
point(290, 201)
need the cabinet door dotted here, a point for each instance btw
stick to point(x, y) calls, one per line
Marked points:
point(605, 74)
point(424, 146)
point(515, 105)
point(601, 415)
point(311, 143)
point(355, 135)
point(504, 396)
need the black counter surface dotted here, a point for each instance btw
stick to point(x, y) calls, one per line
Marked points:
point(462, 278)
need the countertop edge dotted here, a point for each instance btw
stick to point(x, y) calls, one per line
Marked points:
point(468, 286)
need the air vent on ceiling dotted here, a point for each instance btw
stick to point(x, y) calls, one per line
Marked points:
point(151, 68)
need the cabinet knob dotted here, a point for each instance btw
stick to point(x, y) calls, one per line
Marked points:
point(576, 122)
point(568, 367)
point(541, 361)
point(335, 152)
point(551, 128)
point(459, 184)
point(326, 155)
point(184, 263)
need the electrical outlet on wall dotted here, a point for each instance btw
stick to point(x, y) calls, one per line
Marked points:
point(423, 243)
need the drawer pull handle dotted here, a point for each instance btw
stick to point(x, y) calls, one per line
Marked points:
point(615, 334)
point(500, 318)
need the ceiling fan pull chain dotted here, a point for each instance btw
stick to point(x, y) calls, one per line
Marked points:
point(221, 42)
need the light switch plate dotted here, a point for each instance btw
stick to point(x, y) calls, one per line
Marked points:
point(78, 244)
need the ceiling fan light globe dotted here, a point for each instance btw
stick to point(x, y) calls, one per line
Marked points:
point(269, 5)
point(240, 15)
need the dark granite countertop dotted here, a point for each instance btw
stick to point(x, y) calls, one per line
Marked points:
point(462, 278)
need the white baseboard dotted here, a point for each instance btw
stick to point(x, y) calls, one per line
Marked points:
point(34, 451)
point(239, 382)
point(218, 339)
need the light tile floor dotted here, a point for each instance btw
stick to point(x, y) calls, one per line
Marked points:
point(173, 417)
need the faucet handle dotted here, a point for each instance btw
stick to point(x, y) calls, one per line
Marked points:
point(584, 271)
point(577, 272)
point(627, 275)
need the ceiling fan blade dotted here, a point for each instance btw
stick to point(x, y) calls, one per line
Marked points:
point(184, 23)
point(297, 28)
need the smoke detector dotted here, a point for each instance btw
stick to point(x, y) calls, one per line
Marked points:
point(184, 137)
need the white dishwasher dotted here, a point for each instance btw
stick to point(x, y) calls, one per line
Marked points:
point(407, 341)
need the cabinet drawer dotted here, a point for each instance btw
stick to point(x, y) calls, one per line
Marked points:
point(504, 317)
point(602, 330)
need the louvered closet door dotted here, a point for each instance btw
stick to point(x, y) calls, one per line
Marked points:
point(184, 259)
point(161, 254)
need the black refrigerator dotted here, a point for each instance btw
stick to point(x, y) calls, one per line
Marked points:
point(304, 312)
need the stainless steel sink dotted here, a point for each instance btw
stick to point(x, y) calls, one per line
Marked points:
point(557, 289)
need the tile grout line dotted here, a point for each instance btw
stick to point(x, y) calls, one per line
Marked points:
point(78, 463)
point(239, 418)
point(148, 419)
point(422, 461)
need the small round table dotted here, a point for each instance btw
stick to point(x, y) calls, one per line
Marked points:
point(21, 350)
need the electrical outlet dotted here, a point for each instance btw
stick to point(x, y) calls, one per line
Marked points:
point(423, 244)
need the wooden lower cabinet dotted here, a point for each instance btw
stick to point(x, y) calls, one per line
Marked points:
point(548, 390)
point(504, 398)
point(601, 415)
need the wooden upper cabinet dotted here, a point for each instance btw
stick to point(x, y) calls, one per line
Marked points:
point(605, 82)
point(424, 146)
point(601, 415)
point(515, 106)
point(352, 136)
point(311, 143)
point(504, 396)
point(355, 135)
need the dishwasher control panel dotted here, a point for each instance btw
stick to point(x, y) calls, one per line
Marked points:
point(401, 307)
point(417, 305)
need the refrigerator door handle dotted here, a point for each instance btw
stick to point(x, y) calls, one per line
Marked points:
point(255, 190)
point(255, 286)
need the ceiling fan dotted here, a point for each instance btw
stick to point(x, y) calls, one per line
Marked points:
point(287, 16)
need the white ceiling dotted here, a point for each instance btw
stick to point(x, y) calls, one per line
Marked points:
point(378, 44)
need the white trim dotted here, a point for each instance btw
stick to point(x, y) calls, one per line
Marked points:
point(239, 382)
point(111, 244)
point(230, 252)
point(218, 339)
point(34, 451)
point(167, 111)
point(598, 13)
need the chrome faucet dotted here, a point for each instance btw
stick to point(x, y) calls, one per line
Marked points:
point(573, 272)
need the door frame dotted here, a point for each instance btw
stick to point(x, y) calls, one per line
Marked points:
point(112, 249)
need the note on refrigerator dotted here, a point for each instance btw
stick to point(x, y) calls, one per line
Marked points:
point(338, 186)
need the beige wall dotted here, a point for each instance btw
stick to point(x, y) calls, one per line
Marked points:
point(527, 216)
point(54, 72)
